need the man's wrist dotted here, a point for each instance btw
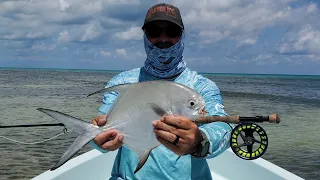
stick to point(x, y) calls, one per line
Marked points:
point(198, 142)
point(202, 148)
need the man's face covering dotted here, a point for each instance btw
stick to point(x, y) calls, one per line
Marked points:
point(163, 45)
point(164, 59)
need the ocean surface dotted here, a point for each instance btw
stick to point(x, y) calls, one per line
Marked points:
point(293, 144)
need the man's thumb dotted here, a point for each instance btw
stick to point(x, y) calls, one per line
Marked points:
point(101, 120)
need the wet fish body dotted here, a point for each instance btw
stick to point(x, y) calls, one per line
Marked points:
point(132, 113)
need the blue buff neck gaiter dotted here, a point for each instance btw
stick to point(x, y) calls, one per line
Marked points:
point(164, 63)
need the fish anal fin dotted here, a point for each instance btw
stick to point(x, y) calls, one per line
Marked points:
point(143, 157)
point(157, 109)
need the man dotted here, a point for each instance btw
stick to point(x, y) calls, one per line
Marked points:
point(185, 145)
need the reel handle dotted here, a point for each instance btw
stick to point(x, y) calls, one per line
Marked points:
point(273, 118)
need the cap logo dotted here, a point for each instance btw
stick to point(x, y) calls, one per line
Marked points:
point(164, 9)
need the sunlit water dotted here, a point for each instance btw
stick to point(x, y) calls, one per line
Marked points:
point(293, 144)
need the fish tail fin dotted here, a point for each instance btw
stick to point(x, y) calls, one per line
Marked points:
point(71, 122)
point(86, 130)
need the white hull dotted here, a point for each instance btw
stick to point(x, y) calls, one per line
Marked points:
point(97, 166)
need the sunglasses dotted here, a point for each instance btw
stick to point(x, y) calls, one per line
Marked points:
point(170, 31)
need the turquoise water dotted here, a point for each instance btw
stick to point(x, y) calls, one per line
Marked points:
point(293, 144)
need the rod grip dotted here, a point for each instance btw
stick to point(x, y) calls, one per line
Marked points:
point(273, 118)
point(210, 119)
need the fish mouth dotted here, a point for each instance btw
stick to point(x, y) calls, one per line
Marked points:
point(202, 111)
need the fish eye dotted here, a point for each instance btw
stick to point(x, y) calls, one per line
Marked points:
point(192, 103)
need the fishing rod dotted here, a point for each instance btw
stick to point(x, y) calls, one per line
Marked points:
point(243, 137)
point(273, 118)
point(31, 125)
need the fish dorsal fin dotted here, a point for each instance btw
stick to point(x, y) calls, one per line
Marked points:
point(158, 109)
point(120, 88)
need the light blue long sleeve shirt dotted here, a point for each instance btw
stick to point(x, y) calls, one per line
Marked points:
point(162, 163)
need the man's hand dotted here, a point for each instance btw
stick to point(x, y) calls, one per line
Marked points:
point(169, 127)
point(109, 140)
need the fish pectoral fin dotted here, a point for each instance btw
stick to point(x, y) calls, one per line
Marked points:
point(120, 88)
point(75, 147)
point(157, 109)
point(143, 157)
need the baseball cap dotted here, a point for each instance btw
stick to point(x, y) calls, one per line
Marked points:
point(165, 12)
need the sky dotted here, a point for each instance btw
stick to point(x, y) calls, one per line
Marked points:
point(222, 36)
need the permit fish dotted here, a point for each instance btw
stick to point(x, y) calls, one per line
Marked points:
point(132, 113)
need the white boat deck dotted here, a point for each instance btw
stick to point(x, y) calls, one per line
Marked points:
point(90, 165)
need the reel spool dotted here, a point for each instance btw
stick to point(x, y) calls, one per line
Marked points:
point(248, 141)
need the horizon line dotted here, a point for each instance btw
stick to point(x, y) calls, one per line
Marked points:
point(119, 70)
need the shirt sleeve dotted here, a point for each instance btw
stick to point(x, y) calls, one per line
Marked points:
point(218, 133)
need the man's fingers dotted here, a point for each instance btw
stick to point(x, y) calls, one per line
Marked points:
point(169, 137)
point(105, 136)
point(169, 145)
point(165, 135)
point(100, 120)
point(159, 125)
point(94, 121)
point(113, 144)
point(177, 121)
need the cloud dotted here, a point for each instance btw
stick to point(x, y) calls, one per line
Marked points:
point(307, 40)
point(241, 21)
point(93, 31)
point(263, 59)
point(229, 32)
point(43, 47)
point(63, 5)
point(133, 33)
point(201, 60)
point(105, 53)
point(238, 20)
point(212, 36)
point(121, 52)
point(63, 37)
point(121, 2)
point(18, 35)
point(312, 8)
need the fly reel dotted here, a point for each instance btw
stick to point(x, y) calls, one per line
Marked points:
point(248, 141)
